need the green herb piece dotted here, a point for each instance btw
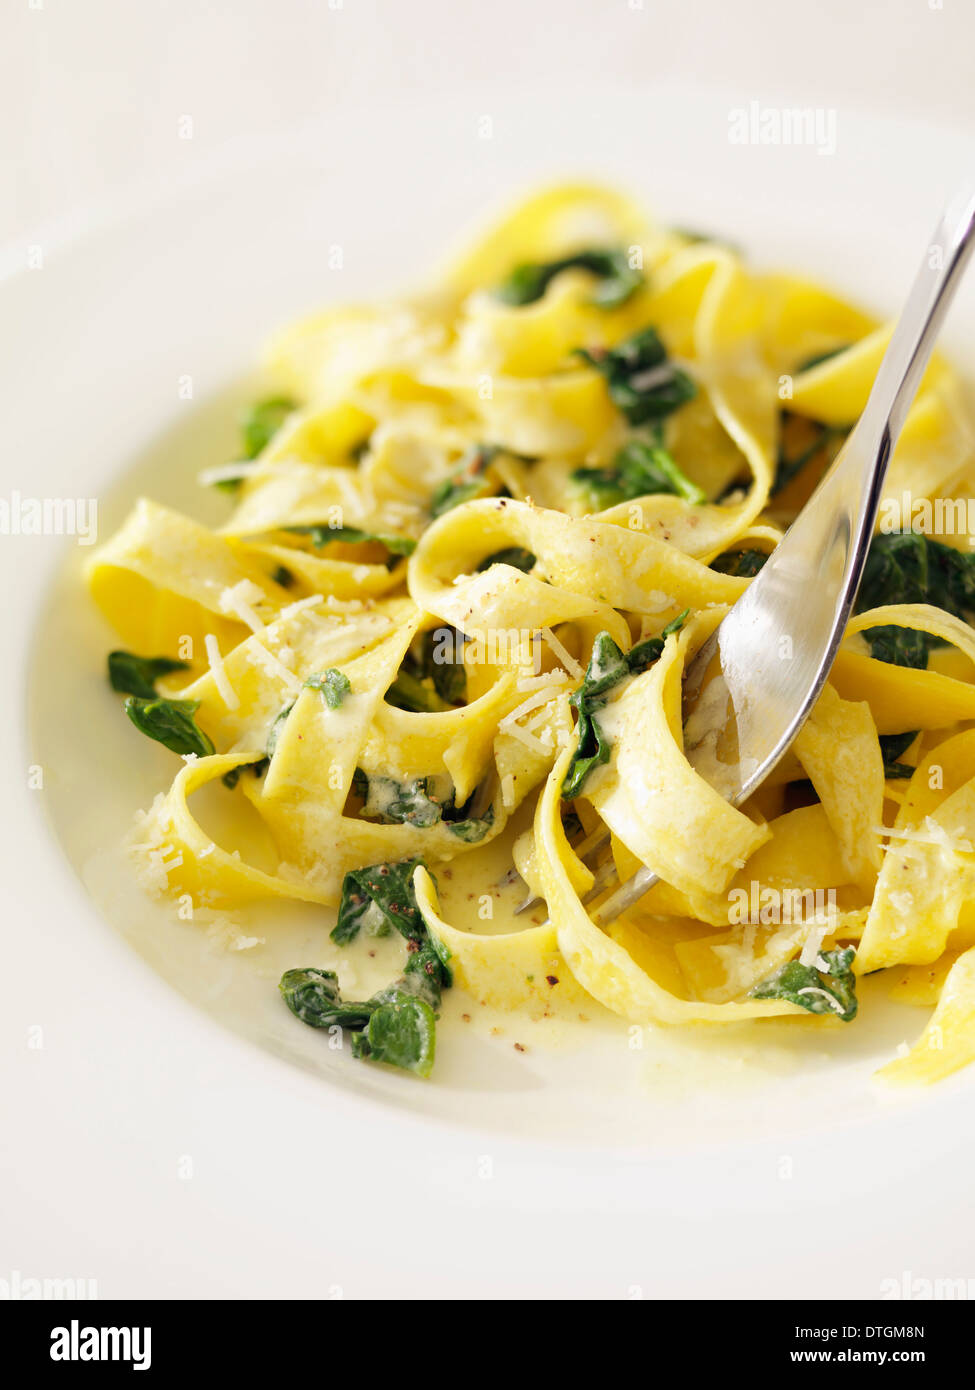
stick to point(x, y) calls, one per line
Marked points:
point(617, 280)
point(258, 767)
point(800, 441)
point(467, 480)
point(388, 888)
point(743, 563)
point(398, 1024)
point(891, 747)
point(442, 659)
point(417, 803)
point(137, 675)
point(817, 360)
point(171, 723)
point(515, 555)
point(399, 803)
point(432, 677)
point(608, 666)
point(907, 567)
point(313, 996)
point(694, 237)
point(829, 987)
point(471, 832)
point(321, 534)
point(334, 685)
point(641, 379)
point(284, 577)
point(640, 468)
point(262, 421)
point(277, 728)
point(408, 692)
point(402, 1033)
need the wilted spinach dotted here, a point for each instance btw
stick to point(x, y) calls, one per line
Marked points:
point(322, 534)
point(467, 479)
point(398, 1024)
point(745, 564)
point(907, 567)
point(334, 685)
point(608, 666)
point(431, 678)
point(641, 379)
point(171, 723)
point(829, 987)
point(515, 555)
point(258, 425)
point(617, 279)
point(800, 441)
point(137, 675)
point(891, 747)
point(640, 468)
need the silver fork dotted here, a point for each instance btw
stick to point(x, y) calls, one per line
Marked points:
point(807, 588)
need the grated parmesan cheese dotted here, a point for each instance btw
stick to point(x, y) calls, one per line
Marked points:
point(567, 660)
point(273, 666)
point(238, 601)
point(226, 691)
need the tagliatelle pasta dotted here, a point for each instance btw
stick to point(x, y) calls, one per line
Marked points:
point(476, 539)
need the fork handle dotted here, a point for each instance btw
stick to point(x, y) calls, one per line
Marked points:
point(913, 339)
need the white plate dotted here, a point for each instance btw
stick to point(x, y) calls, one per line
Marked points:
point(157, 1152)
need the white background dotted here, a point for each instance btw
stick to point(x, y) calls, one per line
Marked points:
point(93, 91)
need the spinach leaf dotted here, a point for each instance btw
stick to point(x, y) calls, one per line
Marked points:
point(818, 358)
point(258, 767)
point(401, 1032)
point(171, 723)
point(334, 685)
point(258, 425)
point(743, 563)
point(417, 803)
point(617, 279)
point(472, 831)
point(277, 728)
point(907, 567)
point(322, 534)
point(641, 467)
point(442, 659)
point(902, 567)
point(800, 441)
point(641, 379)
point(608, 666)
point(399, 803)
point(398, 1024)
point(435, 660)
point(891, 747)
point(313, 996)
point(408, 692)
point(829, 987)
point(515, 555)
point(388, 888)
point(467, 480)
point(137, 675)
point(262, 421)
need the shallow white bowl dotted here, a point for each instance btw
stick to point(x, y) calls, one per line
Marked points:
point(201, 1145)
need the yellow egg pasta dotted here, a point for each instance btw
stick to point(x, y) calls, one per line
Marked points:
point(472, 542)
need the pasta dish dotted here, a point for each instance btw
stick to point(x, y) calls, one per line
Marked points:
point(472, 541)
